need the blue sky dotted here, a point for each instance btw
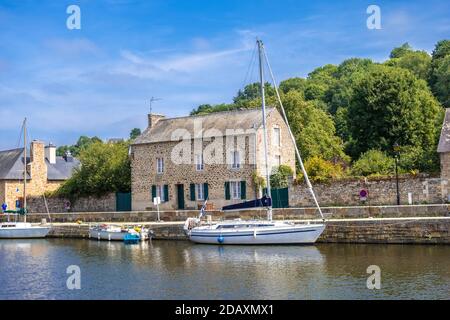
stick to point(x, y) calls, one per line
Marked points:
point(98, 80)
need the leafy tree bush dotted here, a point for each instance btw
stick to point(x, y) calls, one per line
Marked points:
point(313, 129)
point(320, 170)
point(105, 167)
point(280, 179)
point(391, 105)
point(82, 143)
point(440, 72)
point(373, 162)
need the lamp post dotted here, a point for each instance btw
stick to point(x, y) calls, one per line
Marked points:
point(397, 154)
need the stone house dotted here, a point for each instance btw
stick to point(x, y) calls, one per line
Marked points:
point(189, 159)
point(45, 172)
point(444, 146)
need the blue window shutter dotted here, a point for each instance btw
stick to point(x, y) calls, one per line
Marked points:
point(192, 189)
point(243, 190)
point(166, 193)
point(227, 191)
point(153, 192)
point(205, 190)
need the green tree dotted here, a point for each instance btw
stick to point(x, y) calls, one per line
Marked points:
point(373, 162)
point(105, 167)
point(280, 179)
point(391, 105)
point(82, 143)
point(418, 62)
point(313, 129)
point(251, 92)
point(297, 84)
point(440, 72)
point(401, 51)
point(134, 133)
point(320, 170)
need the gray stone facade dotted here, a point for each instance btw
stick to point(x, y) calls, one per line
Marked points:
point(177, 180)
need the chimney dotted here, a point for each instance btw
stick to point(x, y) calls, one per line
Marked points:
point(50, 153)
point(37, 151)
point(153, 119)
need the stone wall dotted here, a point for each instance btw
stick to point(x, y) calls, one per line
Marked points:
point(389, 231)
point(445, 165)
point(87, 204)
point(144, 171)
point(381, 191)
point(419, 231)
point(280, 214)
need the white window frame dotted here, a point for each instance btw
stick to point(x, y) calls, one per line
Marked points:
point(160, 193)
point(277, 136)
point(278, 160)
point(200, 191)
point(235, 160)
point(159, 165)
point(199, 162)
point(235, 190)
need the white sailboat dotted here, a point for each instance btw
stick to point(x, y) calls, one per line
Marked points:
point(21, 230)
point(259, 231)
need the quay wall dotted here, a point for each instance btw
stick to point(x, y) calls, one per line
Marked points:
point(437, 210)
point(424, 230)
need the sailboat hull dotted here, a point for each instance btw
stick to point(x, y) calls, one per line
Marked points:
point(295, 234)
point(24, 233)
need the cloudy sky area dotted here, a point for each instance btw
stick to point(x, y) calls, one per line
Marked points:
point(99, 80)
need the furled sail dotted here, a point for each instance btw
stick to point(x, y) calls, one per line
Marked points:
point(263, 202)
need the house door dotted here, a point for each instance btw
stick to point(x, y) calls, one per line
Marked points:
point(180, 196)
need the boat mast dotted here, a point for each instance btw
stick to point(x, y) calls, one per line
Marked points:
point(305, 174)
point(263, 102)
point(24, 169)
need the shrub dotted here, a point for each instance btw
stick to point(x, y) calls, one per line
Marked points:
point(320, 170)
point(280, 178)
point(373, 162)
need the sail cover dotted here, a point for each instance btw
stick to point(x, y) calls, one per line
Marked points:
point(263, 202)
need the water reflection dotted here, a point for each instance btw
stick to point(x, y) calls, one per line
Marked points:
point(180, 270)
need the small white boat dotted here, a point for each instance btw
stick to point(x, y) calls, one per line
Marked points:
point(118, 233)
point(253, 232)
point(22, 230)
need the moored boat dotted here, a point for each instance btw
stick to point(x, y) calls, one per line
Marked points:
point(22, 230)
point(255, 232)
point(258, 231)
point(118, 233)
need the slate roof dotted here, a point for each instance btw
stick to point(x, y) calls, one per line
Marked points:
point(236, 119)
point(444, 140)
point(11, 166)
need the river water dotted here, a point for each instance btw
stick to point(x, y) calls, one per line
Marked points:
point(37, 269)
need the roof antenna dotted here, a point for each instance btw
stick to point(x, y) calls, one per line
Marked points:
point(153, 99)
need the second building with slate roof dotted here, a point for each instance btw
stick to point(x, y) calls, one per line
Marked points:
point(45, 172)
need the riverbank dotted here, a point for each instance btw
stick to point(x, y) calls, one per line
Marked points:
point(406, 230)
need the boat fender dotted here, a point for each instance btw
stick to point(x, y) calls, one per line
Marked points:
point(254, 233)
point(220, 239)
